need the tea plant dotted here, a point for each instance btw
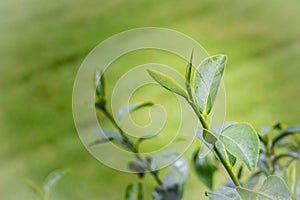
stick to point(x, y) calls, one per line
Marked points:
point(272, 153)
point(271, 156)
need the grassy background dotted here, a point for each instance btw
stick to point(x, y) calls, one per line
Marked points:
point(43, 44)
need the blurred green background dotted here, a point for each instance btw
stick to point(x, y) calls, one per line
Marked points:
point(44, 42)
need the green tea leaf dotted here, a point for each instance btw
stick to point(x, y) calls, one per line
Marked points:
point(204, 168)
point(275, 187)
point(246, 194)
point(224, 193)
point(134, 191)
point(52, 179)
point(133, 107)
point(242, 141)
point(207, 80)
point(167, 82)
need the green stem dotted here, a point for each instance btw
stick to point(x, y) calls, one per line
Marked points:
point(130, 144)
point(216, 149)
point(123, 134)
point(226, 166)
point(155, 176)
point(200, 117)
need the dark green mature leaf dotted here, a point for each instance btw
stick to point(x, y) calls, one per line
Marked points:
point(134, 191)
point(242, 141)
point(207, 80)
point(224, 193)
point(204, 168)
point(167, 82)
point(52, 180)
point(133, 107)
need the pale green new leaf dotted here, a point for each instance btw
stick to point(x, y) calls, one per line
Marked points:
point(167, 82)
point(207, 80)
point(242, 141)
point(134, 191)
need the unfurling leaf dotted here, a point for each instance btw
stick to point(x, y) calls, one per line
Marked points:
point(204, 168)
point(100, 83)
point(242, 141)
point(189, 67)
point(134, 191)
point(207, 80)
point(167, 82)
point(133, 107)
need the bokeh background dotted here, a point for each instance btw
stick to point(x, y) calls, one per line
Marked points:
point(44, 42)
